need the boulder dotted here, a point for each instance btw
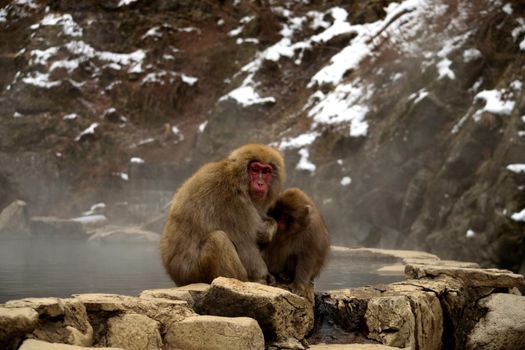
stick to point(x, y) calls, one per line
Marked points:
point(215, 333)
point(189, 293)
point(33, 344)
point(503, 326)
point(133, 332)
point(280, 313)
point(124, 234)
point(14, 323)
point(14, 220)
point(399, 314)
point(60, 320)
point(49, 226)
point(471, 277)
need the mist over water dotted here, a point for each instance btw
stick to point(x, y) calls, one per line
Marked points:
point(59, 268)
point(43, 267)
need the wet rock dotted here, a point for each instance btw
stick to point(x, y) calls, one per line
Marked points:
point(60, 320)
point(14, 323)
point(190, 293)
point(14, 219)
point(33, 344)
point(133, 332)
point(124, 234)
point(49, 226)
point(503, 326)
point(281, 314)
point(214, 332)
point(473, 277)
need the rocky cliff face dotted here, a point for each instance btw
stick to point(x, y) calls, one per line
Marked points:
point(404, 120)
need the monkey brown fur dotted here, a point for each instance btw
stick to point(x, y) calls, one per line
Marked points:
point(218, 216)
point(301, 243)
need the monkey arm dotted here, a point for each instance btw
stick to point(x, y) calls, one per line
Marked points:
point(266, 230)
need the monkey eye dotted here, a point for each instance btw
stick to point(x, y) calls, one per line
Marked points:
point(267, 171)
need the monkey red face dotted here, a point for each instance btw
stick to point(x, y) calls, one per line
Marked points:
point(260, 175)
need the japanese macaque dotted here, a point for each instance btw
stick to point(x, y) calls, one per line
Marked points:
point(301, 243)
point(218, 218)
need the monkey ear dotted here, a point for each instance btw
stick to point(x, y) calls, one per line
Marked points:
point(306, 214)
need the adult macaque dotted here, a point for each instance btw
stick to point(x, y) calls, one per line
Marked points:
point(218, 217)
point(301, 244)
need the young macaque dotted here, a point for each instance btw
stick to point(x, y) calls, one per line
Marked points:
point(300, 246)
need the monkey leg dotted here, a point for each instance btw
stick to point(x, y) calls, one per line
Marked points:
point(218, 257)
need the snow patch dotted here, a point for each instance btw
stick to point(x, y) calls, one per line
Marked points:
point(298, 141)
point(95, 208)
point(519, 216)
point(346, 181)
point(304, 162)
point(40, 80)
point(125, 2)
point(343, 106)
point(71, 116)
point(202, 126)
point(91, 219)
point(247, 96)
point(494, 103)
point(136, 160)
point(69, 26)
point(516, 168)
point(89, 131)
point(471, 55)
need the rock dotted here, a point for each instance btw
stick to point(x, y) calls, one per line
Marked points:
point(48, 226)
point(473, 277)
point(289, 343)
point(390, 321)
point(214, 332)
point(503, 326)
point(134, 332)
point(162, 310)
point(61, 320)
point(124, 234)
point(189, 293)
point(281, 314)
point(401, 255)
point(14, 323)
point(351, 347)
point(399, 315)
point(156, 224)
point(14, 219)
point(33, 344)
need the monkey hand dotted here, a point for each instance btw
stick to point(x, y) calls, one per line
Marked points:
point(266, 231)
point(271, 280)
point(304, 290)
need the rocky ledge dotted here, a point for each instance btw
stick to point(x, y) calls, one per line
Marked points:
point(440, 304)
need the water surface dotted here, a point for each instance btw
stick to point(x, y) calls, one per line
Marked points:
point(59, 268)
